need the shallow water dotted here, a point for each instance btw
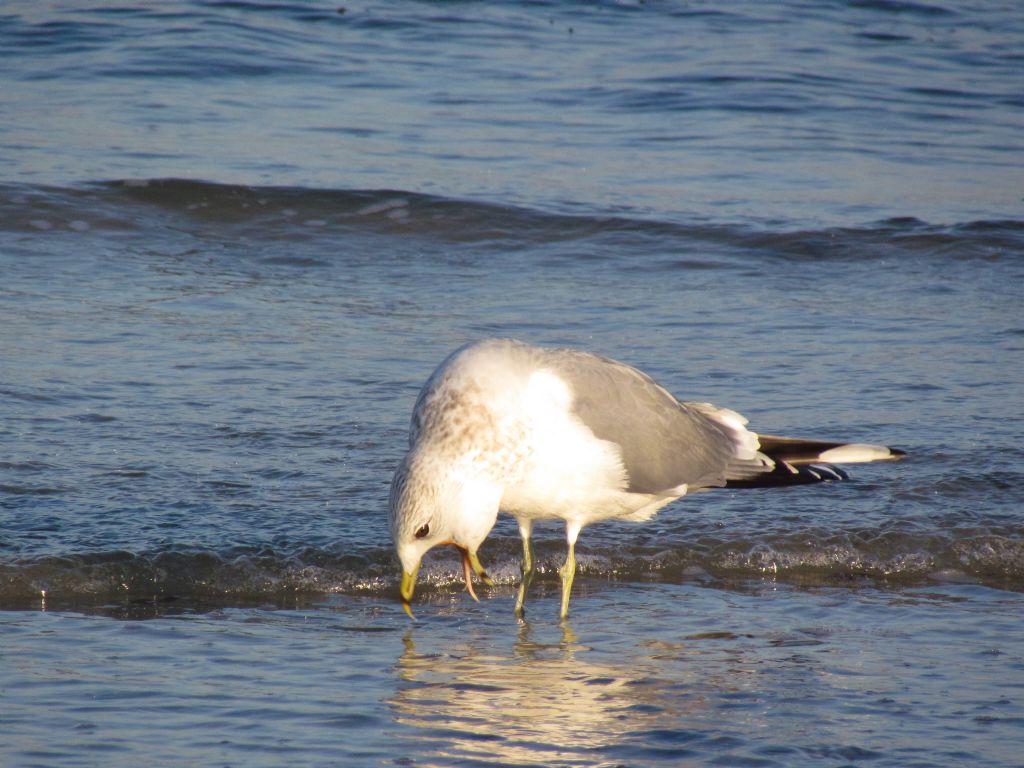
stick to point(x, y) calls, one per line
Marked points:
point(255, 230)
point(684, 675)
point(228, 424)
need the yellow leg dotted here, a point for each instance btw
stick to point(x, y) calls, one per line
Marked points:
point(526, 531)
point(528, 570)
point(567, 572)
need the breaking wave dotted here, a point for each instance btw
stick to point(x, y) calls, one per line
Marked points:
point(242, 575)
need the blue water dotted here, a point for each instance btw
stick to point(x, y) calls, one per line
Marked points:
point(235, 238)
point(811, 112)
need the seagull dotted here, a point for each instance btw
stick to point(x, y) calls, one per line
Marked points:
point(543, 433)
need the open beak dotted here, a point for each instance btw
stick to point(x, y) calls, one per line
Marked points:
point(470, 565)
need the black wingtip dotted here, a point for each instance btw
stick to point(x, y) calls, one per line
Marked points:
point(783, 474)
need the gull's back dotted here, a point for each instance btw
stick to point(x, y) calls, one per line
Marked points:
point(571, 434)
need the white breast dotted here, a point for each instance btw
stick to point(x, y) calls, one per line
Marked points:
point(567, 473)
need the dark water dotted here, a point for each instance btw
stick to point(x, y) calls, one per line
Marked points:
point(235, 238)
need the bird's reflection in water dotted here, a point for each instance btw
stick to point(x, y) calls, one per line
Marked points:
point(532, 704)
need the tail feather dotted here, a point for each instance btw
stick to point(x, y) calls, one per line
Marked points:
point(795, 450)
point(795, 461)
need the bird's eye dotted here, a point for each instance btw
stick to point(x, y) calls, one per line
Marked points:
point(423, 530)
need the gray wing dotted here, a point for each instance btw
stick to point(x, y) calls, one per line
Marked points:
point(664, 442)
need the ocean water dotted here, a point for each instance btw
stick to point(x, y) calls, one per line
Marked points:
point(235, 239)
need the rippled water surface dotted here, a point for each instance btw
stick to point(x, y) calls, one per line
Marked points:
point(235, 238)
point(835, 111)
point(684, 675)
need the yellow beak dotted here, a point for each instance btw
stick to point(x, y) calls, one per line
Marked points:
point(408, 585)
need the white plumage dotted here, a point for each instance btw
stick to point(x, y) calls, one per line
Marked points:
point(557, 433)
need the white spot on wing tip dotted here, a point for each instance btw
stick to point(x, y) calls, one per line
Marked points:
point(856, 453)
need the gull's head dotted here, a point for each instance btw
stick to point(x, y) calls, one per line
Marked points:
point(436, 502)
